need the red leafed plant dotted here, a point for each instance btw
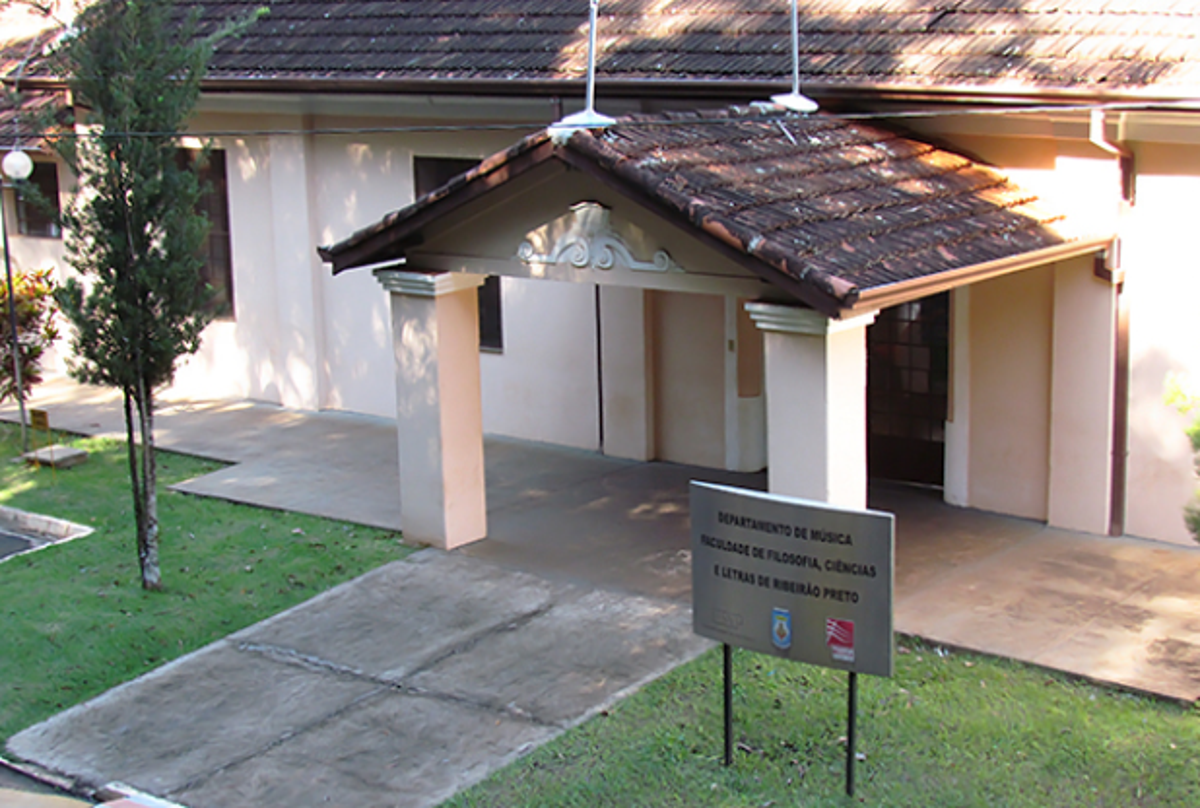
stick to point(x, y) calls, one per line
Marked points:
point(35, 329)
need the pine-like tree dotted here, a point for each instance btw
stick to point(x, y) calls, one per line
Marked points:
point(134, 234)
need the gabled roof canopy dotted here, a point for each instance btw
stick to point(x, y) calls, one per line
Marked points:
point(835, 213)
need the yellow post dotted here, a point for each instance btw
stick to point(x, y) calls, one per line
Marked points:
point(39, 421)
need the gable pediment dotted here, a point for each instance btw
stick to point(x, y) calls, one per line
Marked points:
point(590, 237)
point(570, 230)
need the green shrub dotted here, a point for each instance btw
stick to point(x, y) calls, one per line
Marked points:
point(1189, 405)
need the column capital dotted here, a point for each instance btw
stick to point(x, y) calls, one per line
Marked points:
point(796, 320)
point(424, 284)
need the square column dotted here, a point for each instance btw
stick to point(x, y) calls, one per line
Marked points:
point(439, 412)
point(957, 477)
point(1083, 372)
point(816, 387)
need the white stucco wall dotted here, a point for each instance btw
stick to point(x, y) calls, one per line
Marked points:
point(1162, 280)
point(544, 386)
point(627, 368)
point(359, 179)
point(1083, 361)
point(302, 337)
point(240, 356)
point(1163, 285)
point(690, 378)
point(1010, 358)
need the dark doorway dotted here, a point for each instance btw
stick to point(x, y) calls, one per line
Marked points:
point(907, 384)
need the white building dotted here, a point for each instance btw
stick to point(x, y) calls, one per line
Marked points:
point(1040, 392)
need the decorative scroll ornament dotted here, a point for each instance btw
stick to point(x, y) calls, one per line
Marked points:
point(585, 238)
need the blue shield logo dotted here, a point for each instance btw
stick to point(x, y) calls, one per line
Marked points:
point(781, 629)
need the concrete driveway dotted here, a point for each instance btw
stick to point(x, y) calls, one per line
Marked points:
point(396, 689)
point(426, 675)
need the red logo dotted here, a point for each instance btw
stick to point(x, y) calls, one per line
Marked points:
point(839, 638)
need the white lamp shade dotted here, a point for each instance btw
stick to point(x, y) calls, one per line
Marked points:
point(17, 165)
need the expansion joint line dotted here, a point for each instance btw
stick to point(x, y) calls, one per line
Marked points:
point(400, 685)
point(314, 664)
point(471, 641)
point(295, 732)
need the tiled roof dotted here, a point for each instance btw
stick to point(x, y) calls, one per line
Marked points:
point(1105, 47)
point(1114, 46)
point(24, 32)
point(820, 203)
point(20, 118)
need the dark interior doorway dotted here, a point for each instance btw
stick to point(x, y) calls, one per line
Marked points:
point(908, 373)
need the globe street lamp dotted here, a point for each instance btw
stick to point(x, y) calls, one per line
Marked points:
point(16, 167)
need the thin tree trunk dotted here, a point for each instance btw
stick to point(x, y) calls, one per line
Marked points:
point(148, 534)
point(135, 479)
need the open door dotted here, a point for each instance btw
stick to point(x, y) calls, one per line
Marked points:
point(908, 380)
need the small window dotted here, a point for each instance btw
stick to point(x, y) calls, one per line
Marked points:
point(491, 330)
point(37, 213)
point(429, 174)
point(217, 272)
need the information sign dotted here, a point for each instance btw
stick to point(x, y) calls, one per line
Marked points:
point(798, 579)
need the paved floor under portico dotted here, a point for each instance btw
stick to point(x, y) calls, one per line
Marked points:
point(1121, 610)
point(589, 557)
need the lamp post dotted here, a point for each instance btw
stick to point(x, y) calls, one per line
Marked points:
point(16, 167)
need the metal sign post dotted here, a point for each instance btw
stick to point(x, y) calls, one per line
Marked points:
point(851, 721)
point(795, 579)
point(728, 653)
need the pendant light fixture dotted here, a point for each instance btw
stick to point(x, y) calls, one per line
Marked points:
point(588, 118)
point(794, 100)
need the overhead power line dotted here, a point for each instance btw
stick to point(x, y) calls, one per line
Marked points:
point(881, 115)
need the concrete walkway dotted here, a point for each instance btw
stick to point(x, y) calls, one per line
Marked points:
point(424, 676)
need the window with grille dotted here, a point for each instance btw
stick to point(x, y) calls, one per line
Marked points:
point(217, 271)
point(37, 213)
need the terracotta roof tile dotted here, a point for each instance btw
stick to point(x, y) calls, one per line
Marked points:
point(1043, 44)
point(21, 117)
point(835, 205)
point(24, 33)
point(1123, 46)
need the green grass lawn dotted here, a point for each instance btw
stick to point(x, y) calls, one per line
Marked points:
point(75, 619)
point(953, 730)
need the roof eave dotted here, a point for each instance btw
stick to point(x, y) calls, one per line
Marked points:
point(997, 93)
point(893, 294)
point(713, 89)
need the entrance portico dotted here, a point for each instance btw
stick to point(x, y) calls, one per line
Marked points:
point(737, 262)
point(680, 373)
